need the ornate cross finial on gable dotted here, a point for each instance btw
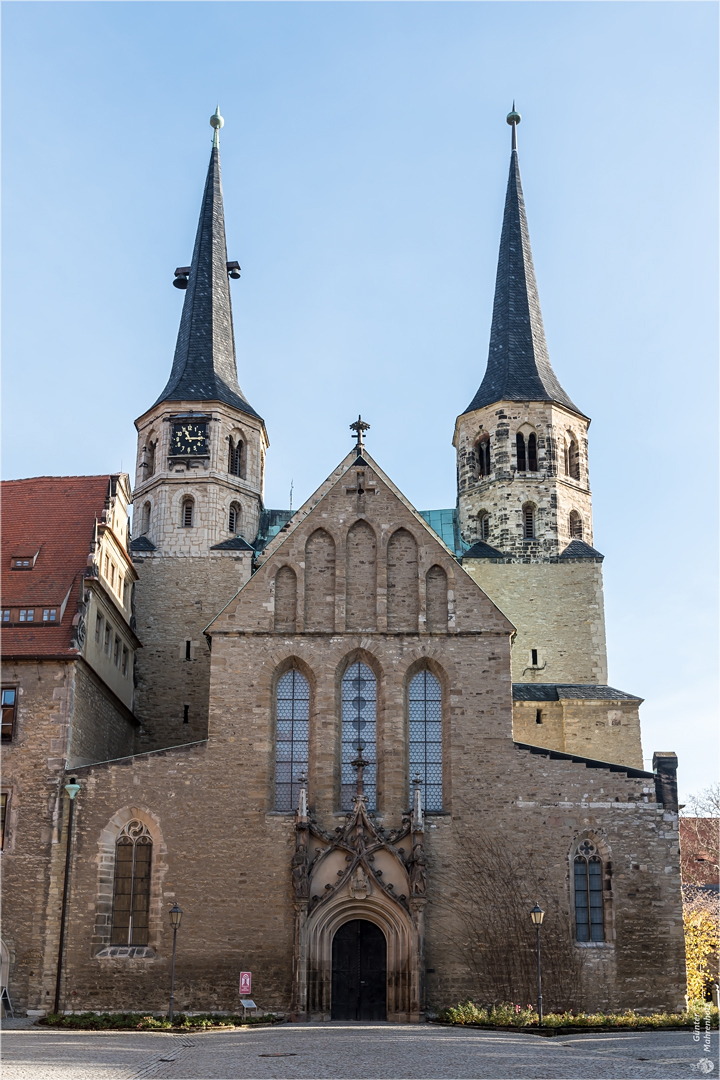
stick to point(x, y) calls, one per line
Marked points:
point(359, 427)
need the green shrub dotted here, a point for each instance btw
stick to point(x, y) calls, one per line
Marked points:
point(90, 1021)
point(508, 1014)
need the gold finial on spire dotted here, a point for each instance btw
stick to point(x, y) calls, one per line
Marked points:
point(216, 121)
point(514, 118)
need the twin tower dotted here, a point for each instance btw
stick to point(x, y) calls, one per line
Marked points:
point(523, 520)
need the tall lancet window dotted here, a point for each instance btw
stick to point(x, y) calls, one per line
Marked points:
point(291, 754)
point(133, 856)
point(589, 921)
point(520, 444)
point(358, 731)
point(425, 708)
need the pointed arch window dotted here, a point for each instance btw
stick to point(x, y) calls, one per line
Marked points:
point(131, 899)
point(528, 513)
point(425, 758)
point(150, 471)
point(145, 524)
point(358, 731)
point(482, 450)
point(235, 457)
point(188, 513)
point(573, 460)
point(520, 447)
point(588, 880)
point(235, 518)
point(575, 526)
point(291, 748)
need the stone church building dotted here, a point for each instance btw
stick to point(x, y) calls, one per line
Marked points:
point(344, 722)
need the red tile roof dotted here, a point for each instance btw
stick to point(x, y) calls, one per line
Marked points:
point(55, 515)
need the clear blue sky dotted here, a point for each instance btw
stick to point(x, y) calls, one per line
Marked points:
point(365, 157)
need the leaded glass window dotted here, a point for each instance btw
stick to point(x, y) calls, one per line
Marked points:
point(291, 755)
point(358, 731)
point(133, 856)
point(588, 894)
point(425, 701)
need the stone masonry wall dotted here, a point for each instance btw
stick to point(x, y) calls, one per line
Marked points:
point(504, 493)
point(604, 730)
point(102, 727)
point(33, 772)
point(175, 599)
point(226, 854)
point(558, 609)
point(207, 482)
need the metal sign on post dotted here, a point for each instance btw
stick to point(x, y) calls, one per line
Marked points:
point(245, 982)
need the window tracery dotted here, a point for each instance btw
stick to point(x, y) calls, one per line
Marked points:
point(358, 731)
point(131, 893)
point(291, 750)
point(425, 757)
point(588, 880)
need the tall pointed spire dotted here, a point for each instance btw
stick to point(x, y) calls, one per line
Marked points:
point(518, 367)
point(204, 366)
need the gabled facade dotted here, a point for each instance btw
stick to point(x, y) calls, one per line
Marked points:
point(364, 740)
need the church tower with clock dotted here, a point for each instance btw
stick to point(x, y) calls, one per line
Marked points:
point(198, 489)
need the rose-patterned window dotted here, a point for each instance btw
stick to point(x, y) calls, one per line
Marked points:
point(291, 753)
point(133, 857)
point(358, 732)
point(425, 709)
point(589, 923)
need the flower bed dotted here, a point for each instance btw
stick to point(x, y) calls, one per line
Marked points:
point(90, 1021)
point(525, 1018)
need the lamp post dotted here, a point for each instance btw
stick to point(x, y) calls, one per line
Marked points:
point(71, 788)
point(175, 920)
point(537, 915)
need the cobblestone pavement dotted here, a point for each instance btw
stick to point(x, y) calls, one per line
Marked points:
point(351, 1052)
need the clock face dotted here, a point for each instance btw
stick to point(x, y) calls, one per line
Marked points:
point(189, 438)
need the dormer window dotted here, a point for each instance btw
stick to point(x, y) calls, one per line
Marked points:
point(23, 562)
point(27, 615)
point(50, 614)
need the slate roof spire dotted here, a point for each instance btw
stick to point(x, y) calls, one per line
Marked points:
point(518, 367)
point(204, 366)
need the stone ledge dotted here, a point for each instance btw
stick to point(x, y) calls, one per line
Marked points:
point(125, 952)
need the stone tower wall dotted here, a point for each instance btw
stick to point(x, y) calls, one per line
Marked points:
point(175, 599)
point(505, 492)
point(209, 483)
point(558, 609)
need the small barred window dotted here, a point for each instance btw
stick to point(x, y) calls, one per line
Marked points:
point(235, 518)
point(484, 526)
point(528, 522)
point(187, 513)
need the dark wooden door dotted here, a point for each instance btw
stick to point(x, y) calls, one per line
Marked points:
point(359, 972)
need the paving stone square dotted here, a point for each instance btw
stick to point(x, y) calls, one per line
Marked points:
point(339, 1051)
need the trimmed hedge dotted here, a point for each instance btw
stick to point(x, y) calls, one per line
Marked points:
point(90, 1021)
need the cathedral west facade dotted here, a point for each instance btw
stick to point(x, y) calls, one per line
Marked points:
point(352, 724)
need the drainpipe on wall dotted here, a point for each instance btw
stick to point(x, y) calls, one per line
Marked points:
point(72, 789)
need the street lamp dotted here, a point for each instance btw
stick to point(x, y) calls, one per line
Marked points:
point(537, 915)
point(175, 920)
